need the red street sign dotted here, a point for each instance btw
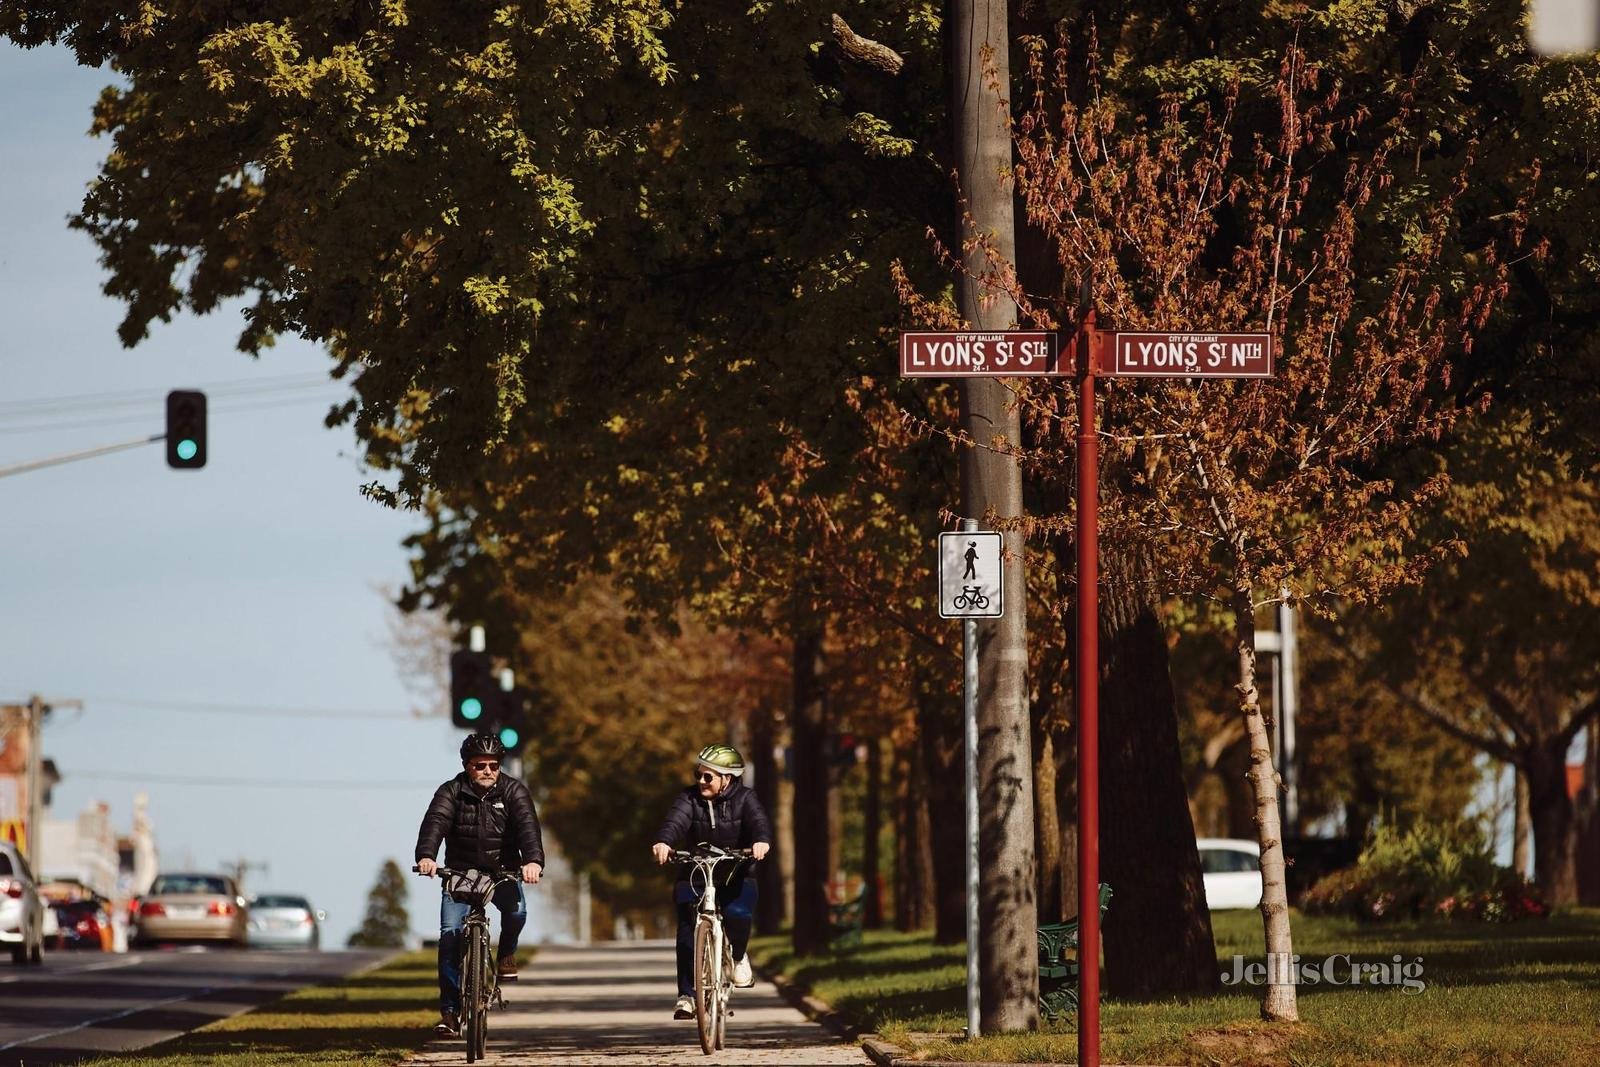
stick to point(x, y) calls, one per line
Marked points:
point(1003, 354)
point(1186, 355)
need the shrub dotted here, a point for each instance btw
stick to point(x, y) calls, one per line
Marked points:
point(1427, 869)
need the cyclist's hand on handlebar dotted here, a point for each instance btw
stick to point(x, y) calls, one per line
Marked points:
point(531, 873)
point(759, 850)
point(426, 867)
point(662, 852)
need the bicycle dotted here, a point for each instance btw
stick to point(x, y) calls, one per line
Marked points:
point(713, 955)
point(971, 596)
point(480, 980)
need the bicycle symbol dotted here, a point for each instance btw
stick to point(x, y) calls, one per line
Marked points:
point(971, 596)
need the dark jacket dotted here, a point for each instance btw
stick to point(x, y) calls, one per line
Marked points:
point(733, 818)
point(490, 831)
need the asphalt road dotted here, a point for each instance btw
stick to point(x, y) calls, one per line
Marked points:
point(81, 1004)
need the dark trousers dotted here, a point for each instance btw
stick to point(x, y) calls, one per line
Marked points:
point(738, 906)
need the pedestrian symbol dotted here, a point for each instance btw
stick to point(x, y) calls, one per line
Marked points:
point(969, 575)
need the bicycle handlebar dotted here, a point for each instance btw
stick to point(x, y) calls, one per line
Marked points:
point(503, 875)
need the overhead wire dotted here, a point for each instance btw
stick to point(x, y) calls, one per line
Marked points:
point(234, 388)
point(236, 782)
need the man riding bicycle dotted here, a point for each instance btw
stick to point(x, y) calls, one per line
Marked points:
point(487, 822)
point(717, 810)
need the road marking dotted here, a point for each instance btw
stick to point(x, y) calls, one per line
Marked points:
point(26, 975)
point(137, 1008)
point(109, 1018)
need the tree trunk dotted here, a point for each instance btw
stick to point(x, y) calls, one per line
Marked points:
point(1147, 840)
point(1589, 821)
point(769, 878)
point(872, 825)
point(1047, 824)
point(1067, 800)
point(939, 735)
point(1554, 828)
point(904, 832)
point(1279, 1003)
point(811, 845)
point(991, 491)
point(1522, 824)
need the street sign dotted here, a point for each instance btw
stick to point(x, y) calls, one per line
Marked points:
point(969, 576)
point(1004, 354)
point(1186, 355)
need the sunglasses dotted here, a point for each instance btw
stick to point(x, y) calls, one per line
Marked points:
point(707, 777)
point(484, 765)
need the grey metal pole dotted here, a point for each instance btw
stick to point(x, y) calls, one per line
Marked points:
point(1288, 705)
point(969, 724)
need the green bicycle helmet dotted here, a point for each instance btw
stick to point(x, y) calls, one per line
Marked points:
point(724, 758)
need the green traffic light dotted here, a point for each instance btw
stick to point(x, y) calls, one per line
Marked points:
point(509, 737)
point(187, 449)
point(471, 708)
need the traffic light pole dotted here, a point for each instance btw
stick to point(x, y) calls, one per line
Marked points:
point(71, 457)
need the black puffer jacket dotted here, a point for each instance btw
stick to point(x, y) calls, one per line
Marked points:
point(733, 818)
point(489, 831)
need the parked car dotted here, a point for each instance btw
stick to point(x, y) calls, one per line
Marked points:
point(21, 910)
point(191, 907)
point(279, 920)
point(1231, 870)
point(84, 924)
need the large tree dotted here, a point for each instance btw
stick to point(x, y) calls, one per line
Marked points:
point(1500, 646)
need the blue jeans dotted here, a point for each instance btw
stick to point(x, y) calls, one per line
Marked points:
point(738, 906)
point(453, 917)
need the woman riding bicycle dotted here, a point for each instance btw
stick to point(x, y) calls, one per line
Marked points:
point(717, 810)
point(487, 822)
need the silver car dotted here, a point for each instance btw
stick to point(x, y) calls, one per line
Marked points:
point(281, 921)
point(21, 911)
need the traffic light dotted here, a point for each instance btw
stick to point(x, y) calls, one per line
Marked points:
point(186, 429)
point(510, 717)
point(473, 690)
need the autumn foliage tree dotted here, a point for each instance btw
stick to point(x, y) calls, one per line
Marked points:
point(1253, 491)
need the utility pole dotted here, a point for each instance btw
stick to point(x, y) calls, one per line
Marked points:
point(240, 867)
point(991, 486)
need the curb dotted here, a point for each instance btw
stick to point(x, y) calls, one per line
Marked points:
point(822, 1013)
point(879, 1051)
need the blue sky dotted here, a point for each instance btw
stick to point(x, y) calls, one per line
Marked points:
point(254, 582)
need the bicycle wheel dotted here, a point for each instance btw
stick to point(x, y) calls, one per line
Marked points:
point(486, 982)
point(471, 993)
point(707, 1004)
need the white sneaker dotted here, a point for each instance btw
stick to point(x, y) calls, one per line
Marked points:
point(743, 976)
point(684, 1009)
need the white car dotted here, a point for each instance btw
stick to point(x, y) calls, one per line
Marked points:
point(21, 911)
point(1230, 867)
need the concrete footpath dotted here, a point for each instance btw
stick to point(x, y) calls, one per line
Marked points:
point(612, 1003)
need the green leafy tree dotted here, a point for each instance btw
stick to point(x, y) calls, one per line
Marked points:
point(386, 924)
point(1500, 646)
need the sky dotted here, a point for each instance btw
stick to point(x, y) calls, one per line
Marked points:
point(178, 604)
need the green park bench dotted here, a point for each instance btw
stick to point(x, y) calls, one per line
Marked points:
point(1058, 975)
point(845, 920)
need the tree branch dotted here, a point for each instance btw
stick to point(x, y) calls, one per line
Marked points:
point(868, 53)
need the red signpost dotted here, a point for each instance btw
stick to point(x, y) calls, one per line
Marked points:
point(1132, 354)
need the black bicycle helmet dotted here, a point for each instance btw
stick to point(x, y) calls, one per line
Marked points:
point(482, 745)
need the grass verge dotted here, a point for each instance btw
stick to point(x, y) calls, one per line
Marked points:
point(371, 1019)
point(1521, 994)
